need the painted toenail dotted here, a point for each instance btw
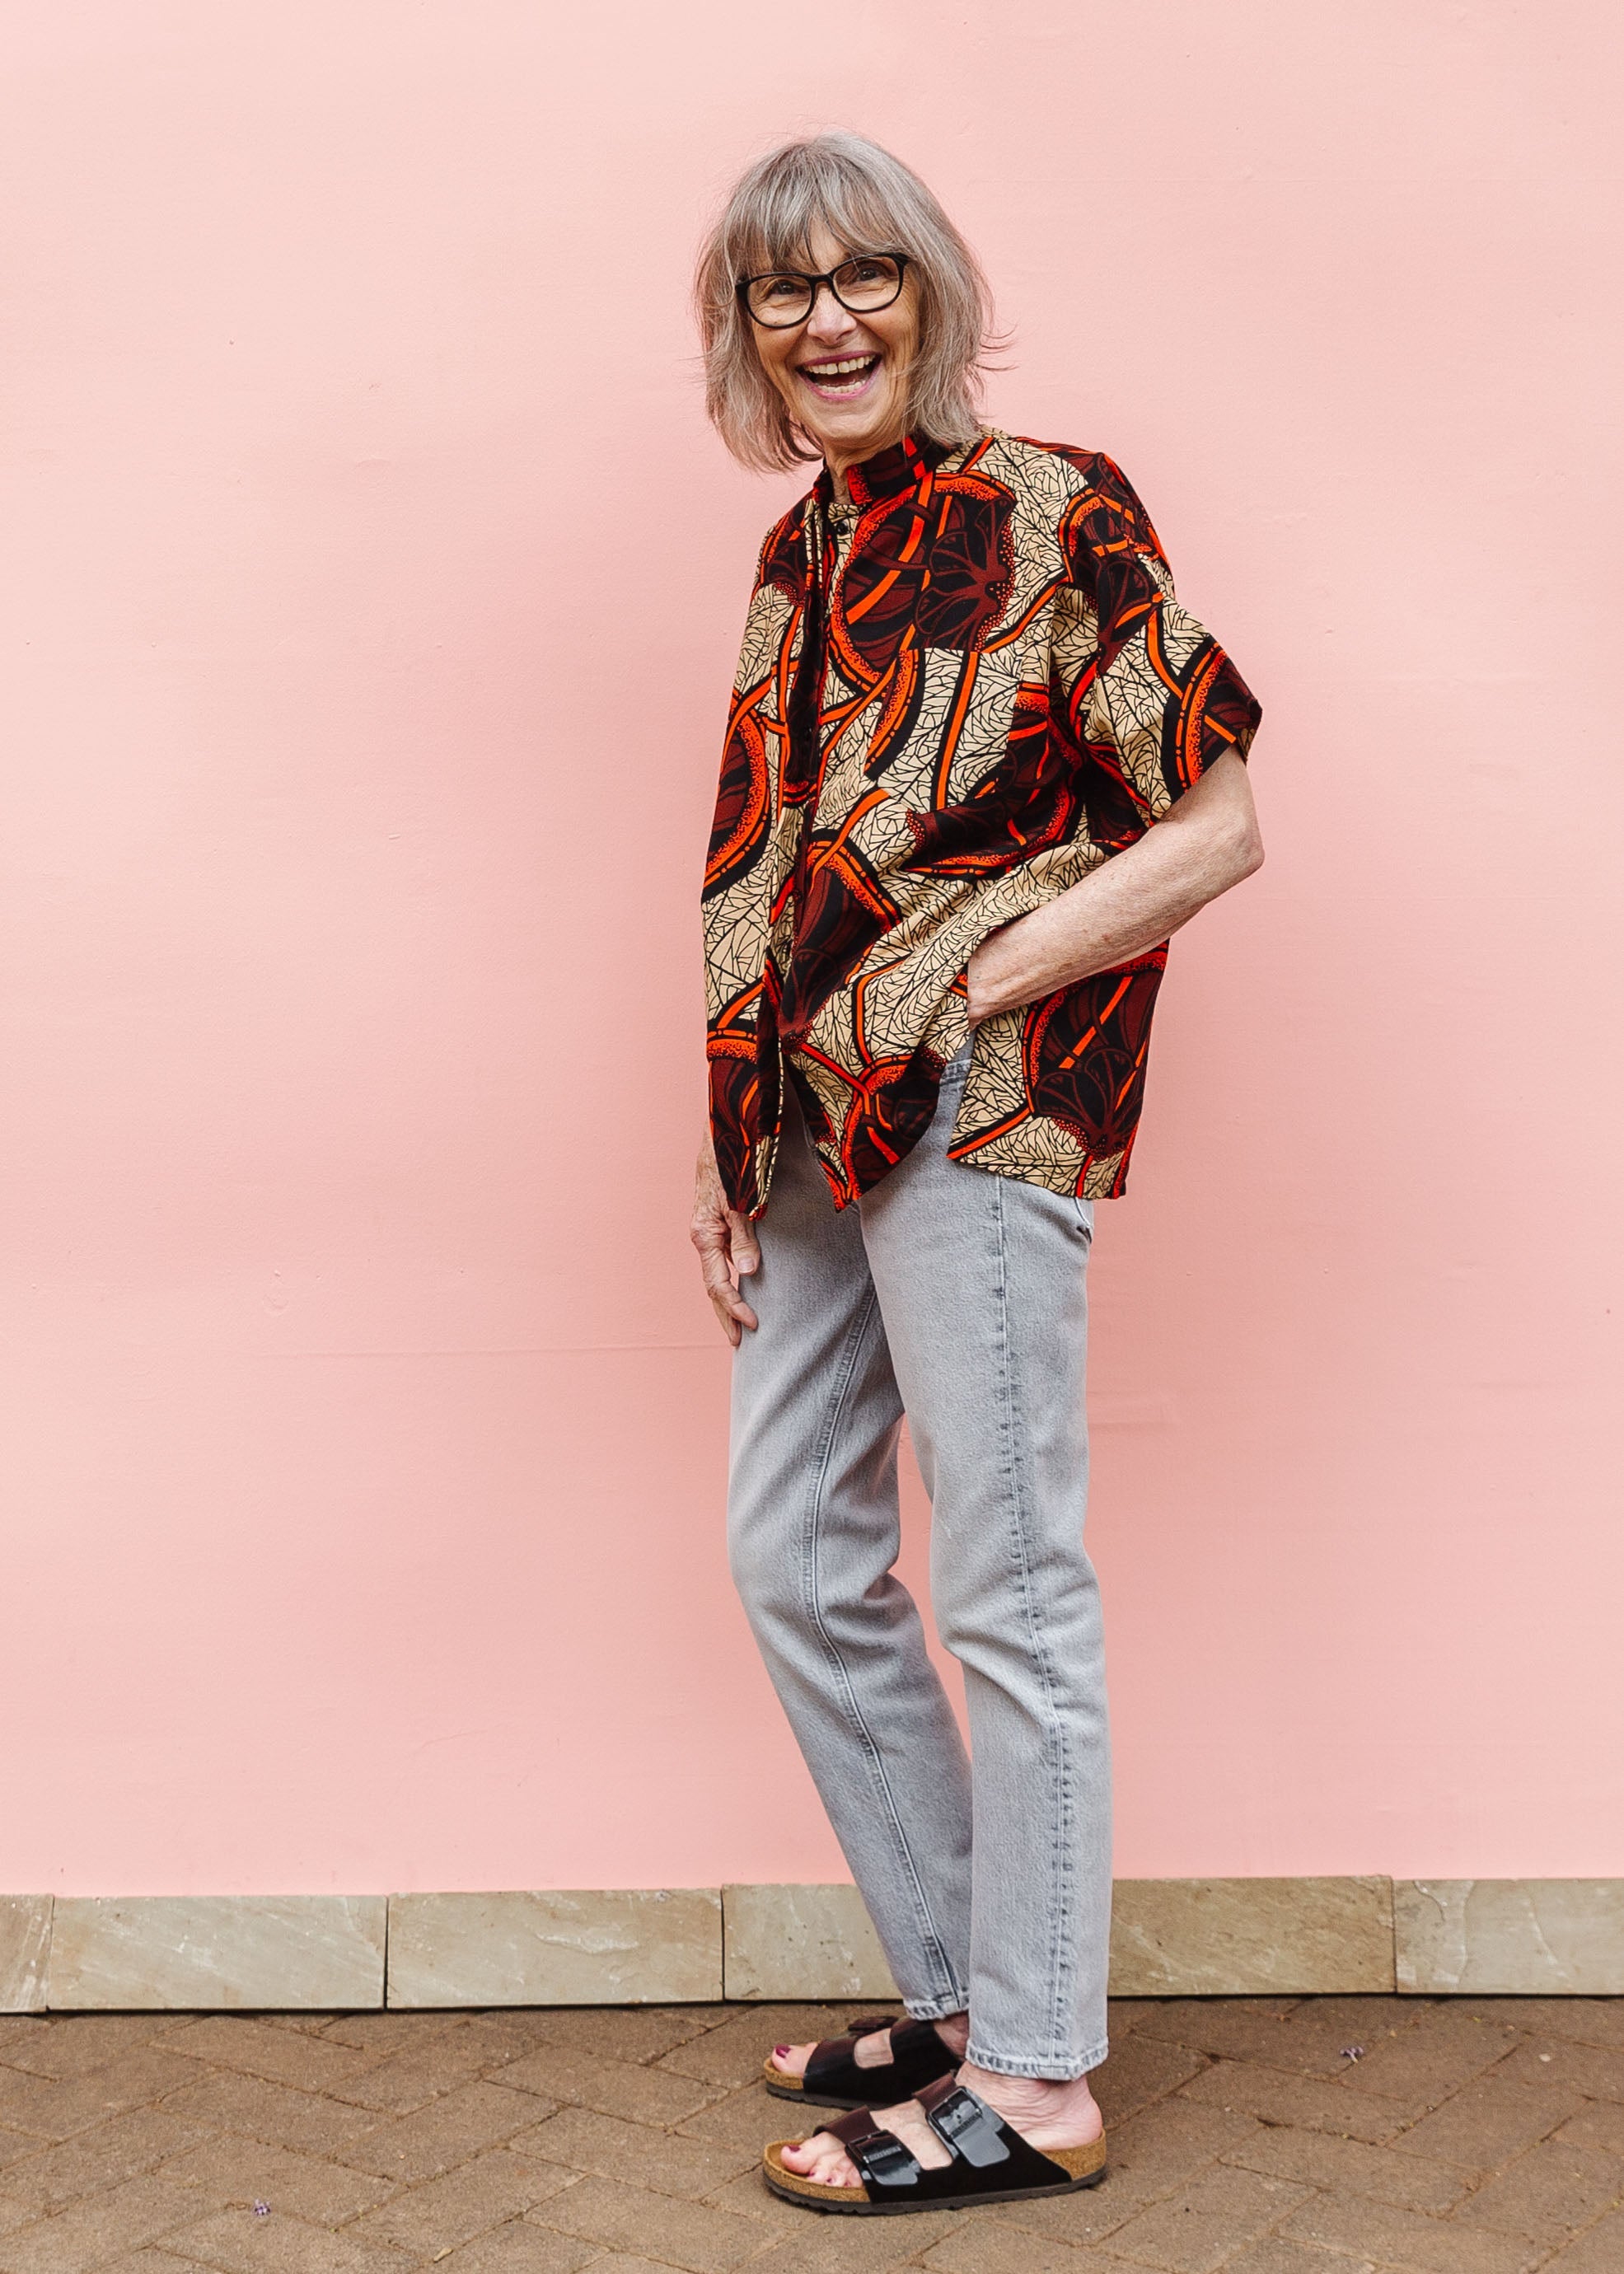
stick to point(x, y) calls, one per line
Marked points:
point(780, 2050)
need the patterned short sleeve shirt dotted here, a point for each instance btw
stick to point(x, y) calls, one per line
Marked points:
point(958, 695)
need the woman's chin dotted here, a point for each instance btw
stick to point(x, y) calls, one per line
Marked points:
point(855, 434)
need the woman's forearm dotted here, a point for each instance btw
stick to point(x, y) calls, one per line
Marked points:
point(1206, 843)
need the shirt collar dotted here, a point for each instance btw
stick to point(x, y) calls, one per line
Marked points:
point(888, 473)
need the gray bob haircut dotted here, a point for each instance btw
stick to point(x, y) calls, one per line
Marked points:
point(872, 203)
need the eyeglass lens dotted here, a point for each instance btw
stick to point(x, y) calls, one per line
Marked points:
point(861, 285)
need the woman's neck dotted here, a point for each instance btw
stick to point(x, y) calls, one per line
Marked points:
point(839, 457)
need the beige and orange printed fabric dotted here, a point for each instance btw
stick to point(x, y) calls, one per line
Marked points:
point(959, 693)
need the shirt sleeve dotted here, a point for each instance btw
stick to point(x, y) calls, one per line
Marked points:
point(1154, 699)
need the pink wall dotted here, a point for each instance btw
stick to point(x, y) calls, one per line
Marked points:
point(373, 585)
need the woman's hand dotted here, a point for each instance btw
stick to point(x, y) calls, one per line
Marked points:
point(1201, 848)
point(727, 1249)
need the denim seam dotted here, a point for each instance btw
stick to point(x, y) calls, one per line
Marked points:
point(815, 1611)
point(1056, 2071)
point(1061, 1831)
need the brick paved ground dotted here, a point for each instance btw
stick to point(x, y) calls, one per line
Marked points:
point(1471, 2136)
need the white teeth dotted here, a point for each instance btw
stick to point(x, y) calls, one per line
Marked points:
point(839, 370)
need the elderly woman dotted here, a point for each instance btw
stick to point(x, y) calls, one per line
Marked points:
point(980, 766)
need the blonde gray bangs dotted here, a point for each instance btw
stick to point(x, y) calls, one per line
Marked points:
point(872, 203)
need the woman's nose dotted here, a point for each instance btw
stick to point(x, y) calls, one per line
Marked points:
point(827, 320)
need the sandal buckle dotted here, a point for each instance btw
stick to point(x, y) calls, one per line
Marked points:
point(885, 2161)
point(969, 2128)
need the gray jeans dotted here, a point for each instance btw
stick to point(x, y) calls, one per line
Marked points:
point(956, 1297)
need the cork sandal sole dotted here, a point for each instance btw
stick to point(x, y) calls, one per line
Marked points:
point(1086, 2165)
point(785, 2087)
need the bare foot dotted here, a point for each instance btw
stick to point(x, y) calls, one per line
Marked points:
point(1046, 2114)
point(873, 2049)
point(824, 2158)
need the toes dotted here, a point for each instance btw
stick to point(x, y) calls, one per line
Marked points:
point(820, 2158)
point(791, 2061)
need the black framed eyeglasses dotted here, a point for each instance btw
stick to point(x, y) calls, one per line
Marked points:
point(783, 296)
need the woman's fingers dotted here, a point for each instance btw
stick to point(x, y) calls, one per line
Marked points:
point(710, 1236)
point(727, 1249)
point(731, 1308)
point(742, 1241)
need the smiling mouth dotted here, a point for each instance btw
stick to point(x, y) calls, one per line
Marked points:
point(837, 378)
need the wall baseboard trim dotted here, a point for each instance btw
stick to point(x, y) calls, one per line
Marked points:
point(668, 1946)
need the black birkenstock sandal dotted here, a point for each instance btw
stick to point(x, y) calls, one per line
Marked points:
point(833, 2080)
point(991, 2164)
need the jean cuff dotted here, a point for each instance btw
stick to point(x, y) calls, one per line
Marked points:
point(1051, 2071)
point(933, 2009)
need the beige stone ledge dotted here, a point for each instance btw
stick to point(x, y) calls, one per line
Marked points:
point(24, 1944)
point(800, 1942)
point(1171, 1938)
point(1250, 1938)
point(584, 1946)
point(215, 1952)
point(1510, 1937)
